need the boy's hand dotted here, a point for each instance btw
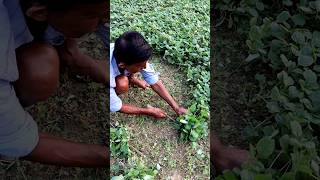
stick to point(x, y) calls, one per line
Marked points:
point(83, 64)
point(156, 112)
point(181, 111)
point(140, 83)
point(70, 53)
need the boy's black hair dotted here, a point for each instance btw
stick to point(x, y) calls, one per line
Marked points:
point(131, 48)
point(38, 28)
point(58, 5)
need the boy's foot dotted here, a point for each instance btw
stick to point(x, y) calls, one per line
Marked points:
point(138, 82)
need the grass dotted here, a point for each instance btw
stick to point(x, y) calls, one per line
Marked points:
point(156, 141)
point(78, 111)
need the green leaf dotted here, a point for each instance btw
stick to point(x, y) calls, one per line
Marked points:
point(287, 2)
point(273, 107)
point(194, 135)
point(315, 167)
point(274, 53)
point(298, 37)
point(285, 60)
point(193, 108)
point(315, 5)
point(316, 68)
point(260, 5)
point(305, 60)
point(253, 12)
point(290, 106)
point(283, 16)
point(305, 57)
point(284, 142)
point(277, 31)
point(315, 39)
point(298, 20)
point(288, 176)
point(275, 93)
point(265, 147)
point(254, 33)
point(315, 99)
point(246, 174)
point(296, 128)
point(306, 103)
point(310, 77)
point(263, 177)
point(229, 175)
point(287, 80)
point(252, 57)
point(306, 10)
point(183, 121)
point(293, 92)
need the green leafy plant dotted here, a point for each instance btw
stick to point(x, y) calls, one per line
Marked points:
point(141, 172)
point(193, 126)
point(137, 170)
point(119, 138)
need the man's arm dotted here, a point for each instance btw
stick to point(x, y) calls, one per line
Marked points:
point(150, 111)
point(83, 64)
point(161, 90)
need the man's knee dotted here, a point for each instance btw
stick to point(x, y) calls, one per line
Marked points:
point(38, 66)
point(122, 84)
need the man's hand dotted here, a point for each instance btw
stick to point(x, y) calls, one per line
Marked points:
point(156, 112)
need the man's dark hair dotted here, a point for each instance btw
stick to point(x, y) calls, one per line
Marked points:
point(58, 5)
point(131, 48)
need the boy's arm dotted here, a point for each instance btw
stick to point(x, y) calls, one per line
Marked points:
point(161, 90)
point(116, 105)
point(83, 64)
point(150, 111)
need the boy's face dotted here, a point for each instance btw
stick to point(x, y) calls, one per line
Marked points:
point(134, 68)
point(79, 20)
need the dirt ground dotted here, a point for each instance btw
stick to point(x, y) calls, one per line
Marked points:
point(156, 141)
point(78, 111)
point(234, 103)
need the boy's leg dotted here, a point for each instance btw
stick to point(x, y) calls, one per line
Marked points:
point(56, 151)
point(38, 66)
point(122, 84)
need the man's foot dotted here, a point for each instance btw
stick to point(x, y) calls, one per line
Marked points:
point(138, 82)
point(229, 158)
